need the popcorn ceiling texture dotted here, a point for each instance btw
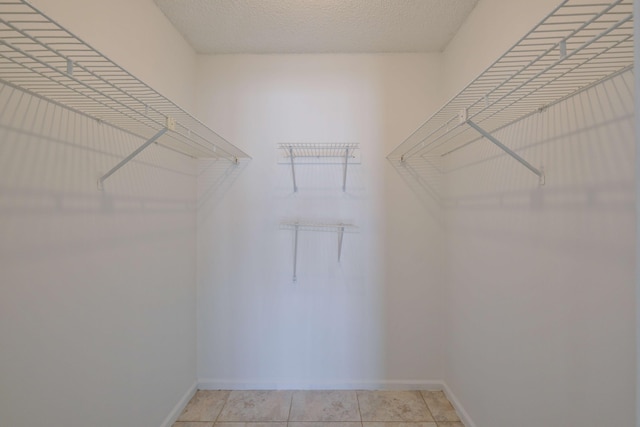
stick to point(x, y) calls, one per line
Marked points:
point(314, 26)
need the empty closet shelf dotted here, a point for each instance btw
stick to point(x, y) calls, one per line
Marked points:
point(40, 57)
point(576, 46)
point(295, 154)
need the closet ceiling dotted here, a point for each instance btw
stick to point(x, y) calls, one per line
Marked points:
point(317, 26)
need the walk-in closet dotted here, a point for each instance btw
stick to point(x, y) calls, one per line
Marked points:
point(318, 213)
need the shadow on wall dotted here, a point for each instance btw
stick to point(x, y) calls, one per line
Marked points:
point(424, 175)
point(582, 144)
point(552, 138)
point(97, 288)
point(215, 179)
point(543, 275)
point(50, 160)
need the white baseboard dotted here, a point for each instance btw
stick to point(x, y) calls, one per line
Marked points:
point(220, 384)
point(177, 410)
point(464, 416)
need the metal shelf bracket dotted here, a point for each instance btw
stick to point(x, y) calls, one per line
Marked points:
point(293, 173)
point(295, 253)
point(297, 226)
point(464, 119)
point(340, 235)
point(344, 176)
point(127, 159)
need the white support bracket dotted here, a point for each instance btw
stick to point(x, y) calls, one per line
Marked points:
point(293, 174)
point(340, 236)
point(130, 157)
point(464, 118)
point(339, 228)
point(295, 253)
point(346, 163)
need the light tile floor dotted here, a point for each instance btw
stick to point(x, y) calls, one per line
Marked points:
point(330, 408)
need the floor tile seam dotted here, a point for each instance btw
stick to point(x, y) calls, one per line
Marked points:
point(290, 407)
point(359, 411)
point(427, 405)
point(226, 400)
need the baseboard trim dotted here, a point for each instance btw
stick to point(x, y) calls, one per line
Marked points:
point(182, 403)
point(462, 413)
point(221, 384)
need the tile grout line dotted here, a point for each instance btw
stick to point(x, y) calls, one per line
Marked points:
point(359, 411)
point(427, 405)
point(226, 399)
point(290, 407)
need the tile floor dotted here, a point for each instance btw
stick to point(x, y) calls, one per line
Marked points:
point(329, 408)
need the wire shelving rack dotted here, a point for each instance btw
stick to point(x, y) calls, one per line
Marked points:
point(42, 58)
point(319, 153)
point(578, 45)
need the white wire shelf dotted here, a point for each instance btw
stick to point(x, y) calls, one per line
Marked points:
point(298, 226)
point(294, 154)
point(579, 44)
point(40, 57)
point(315, 153)
point(314, 226)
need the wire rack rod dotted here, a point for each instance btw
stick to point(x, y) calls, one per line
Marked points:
point(41, 57)
point(298, 226)
point(317, 150)
point(314, 226)
point(323, 153)
point(577, 44)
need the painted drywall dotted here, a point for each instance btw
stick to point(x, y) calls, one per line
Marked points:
point(636, 33)
point(372, 320)
point(97, 289)
point(540, 280)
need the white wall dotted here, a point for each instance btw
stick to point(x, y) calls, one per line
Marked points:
point(540, 280)
point(97, 290)
point(636, 33)
point(374, 320)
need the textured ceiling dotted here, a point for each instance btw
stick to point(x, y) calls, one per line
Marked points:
point(317, 26)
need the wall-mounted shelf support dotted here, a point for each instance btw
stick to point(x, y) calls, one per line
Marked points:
point(510, 152)
point(296, 154)
point(130, 157)
point(297, 226)
point(346, 164)
point(295, 253)
point(340, 236)
point(293, 169)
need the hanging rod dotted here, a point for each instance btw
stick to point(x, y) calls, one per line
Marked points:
point(319, 153)
point(576, 45)
point(298, 226)
point(40, 57)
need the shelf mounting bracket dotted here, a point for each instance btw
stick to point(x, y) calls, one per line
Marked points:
point(344, 175)
point(539, 172)
point(340, 235)
point(127, 159)
point(295, 253)
point(293, 174)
